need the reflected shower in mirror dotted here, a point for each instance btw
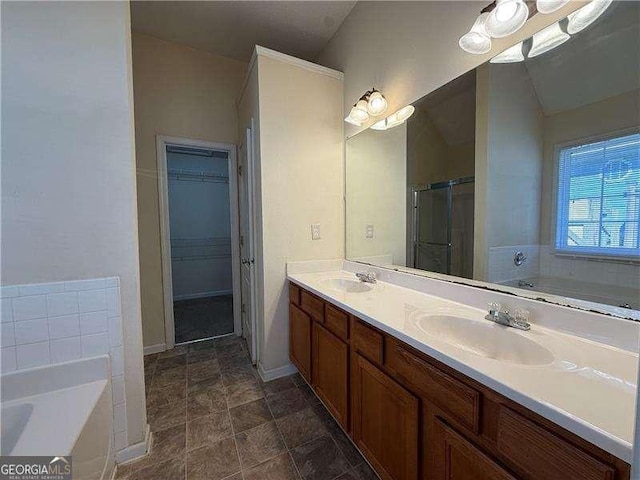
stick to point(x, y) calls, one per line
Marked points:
point(523, 173)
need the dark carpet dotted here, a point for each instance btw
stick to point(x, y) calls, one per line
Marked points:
point(203, 318)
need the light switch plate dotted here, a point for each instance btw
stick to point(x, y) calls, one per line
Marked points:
point(369, 231)
point(315, 231)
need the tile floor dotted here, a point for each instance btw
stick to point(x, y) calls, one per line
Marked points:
point(203, 317)
point(213, 418)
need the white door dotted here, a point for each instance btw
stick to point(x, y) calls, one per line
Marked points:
point(247, 242)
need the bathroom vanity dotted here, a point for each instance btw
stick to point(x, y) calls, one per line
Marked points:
point(419, 407)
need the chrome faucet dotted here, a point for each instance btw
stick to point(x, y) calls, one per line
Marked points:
point(518, 320)
point(367, 277)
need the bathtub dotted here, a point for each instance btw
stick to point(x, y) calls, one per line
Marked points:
point(60, 410)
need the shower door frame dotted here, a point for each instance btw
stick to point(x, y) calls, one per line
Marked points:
point(415, 221)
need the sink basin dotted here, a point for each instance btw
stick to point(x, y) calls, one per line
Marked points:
point(347, 285)
point(485, 339)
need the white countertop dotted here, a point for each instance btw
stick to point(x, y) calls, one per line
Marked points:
point(589, 388)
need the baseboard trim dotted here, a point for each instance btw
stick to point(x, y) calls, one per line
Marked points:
point(160, 347)
point(194, 296)
point(135, 451)
point(272, 374)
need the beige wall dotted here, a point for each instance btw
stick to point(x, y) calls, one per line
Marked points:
point(68, 185)
point(180, 92)
point(376, 193)
point(302, 178)
point(408, 49)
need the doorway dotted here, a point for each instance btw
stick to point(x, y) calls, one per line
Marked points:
point(199, 231)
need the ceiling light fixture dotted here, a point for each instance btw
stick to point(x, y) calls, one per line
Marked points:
point(371, 104)
point(506, 18)
point(547, 39)
point(582, 18)
point(477, 40)
point(510, 55)
point(550, 6)
point(395, 119)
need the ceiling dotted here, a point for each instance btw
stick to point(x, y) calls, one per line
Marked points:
point(232, 28)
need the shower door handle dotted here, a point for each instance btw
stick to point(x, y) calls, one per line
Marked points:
point(248, 261)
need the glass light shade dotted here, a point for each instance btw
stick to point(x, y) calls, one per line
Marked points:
point(548, 39)
point(582, 18)
point(510, 55)
point(550, 6)
point(506, 18)
point(359, 112)
point(350, 120)
point(377, 104)
point(477, 40)
point(395, 119)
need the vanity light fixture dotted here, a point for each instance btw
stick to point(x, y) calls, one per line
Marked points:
point(547, 39)
point(550, 6)
point(371, 104)
point(585, 16)
point(477, 40)
point(506, 18)
point(395, 119)
point(510, 55)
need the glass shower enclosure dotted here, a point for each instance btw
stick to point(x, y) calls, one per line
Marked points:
point(443, 227)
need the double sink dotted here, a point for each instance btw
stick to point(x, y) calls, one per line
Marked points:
point(476, 336)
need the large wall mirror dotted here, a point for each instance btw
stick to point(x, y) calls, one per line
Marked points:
point(523, 174)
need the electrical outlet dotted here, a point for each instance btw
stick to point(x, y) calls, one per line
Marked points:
point(315, 231)
point(369, 231)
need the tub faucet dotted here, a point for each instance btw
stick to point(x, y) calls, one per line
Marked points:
point(365, 277)
point(503, 317)
point(523, 283)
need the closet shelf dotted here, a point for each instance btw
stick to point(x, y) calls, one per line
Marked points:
point(190, 176)
point(186, 258)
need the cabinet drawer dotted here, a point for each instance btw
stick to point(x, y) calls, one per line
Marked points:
point(460, 401)
point(294, 294)
point(368, 342)
point(539, 453)
point(337, 321)
point(312, 305)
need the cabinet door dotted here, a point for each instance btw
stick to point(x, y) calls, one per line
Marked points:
point(384, 421)
point(300, 341)
point(458, 459)
point(331, 372)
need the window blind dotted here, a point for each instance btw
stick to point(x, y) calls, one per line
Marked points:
point(598, 210)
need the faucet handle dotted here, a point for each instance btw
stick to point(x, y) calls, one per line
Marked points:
point(494, 308)
point(522, 315)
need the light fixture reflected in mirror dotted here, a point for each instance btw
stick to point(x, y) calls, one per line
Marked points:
point(506, 18)
point(547, 39)
point(477, 40)
point(395, 119)
point(376, 103)
point(550, 6)
point(371, 104)
point(582, 18)
point(510, 55)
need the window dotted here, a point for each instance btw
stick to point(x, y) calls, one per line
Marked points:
point(599, 198)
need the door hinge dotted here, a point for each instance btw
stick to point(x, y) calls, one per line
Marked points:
point(244, 308)
point(240, 170)
point(241, 240)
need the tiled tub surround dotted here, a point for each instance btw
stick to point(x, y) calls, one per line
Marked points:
point(213, 418)
point(50, 323)
point(595, 356)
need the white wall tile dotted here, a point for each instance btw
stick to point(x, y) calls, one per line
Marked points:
point(64, 326)
point(120, 440)
point(117, 361)
point(6, 310)
point(41, 288)
point(115, 332)
point(112, 282)
point(8, 359)
point(119, 418)
point(27, 308)
point(65, 349)
point(118, 389)
point(97, 344)
point(7, 335)
point(94, 322)
point(9, 291)
point(62, 304)
point(32, 331)
point(113, 302)
point(88, 284)
point(33, 355)
point(92, 300)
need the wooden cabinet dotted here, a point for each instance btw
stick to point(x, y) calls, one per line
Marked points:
point(458, 459)
point(300, 340)
point(384, 422)
point(414, 417)
point(331, 373)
